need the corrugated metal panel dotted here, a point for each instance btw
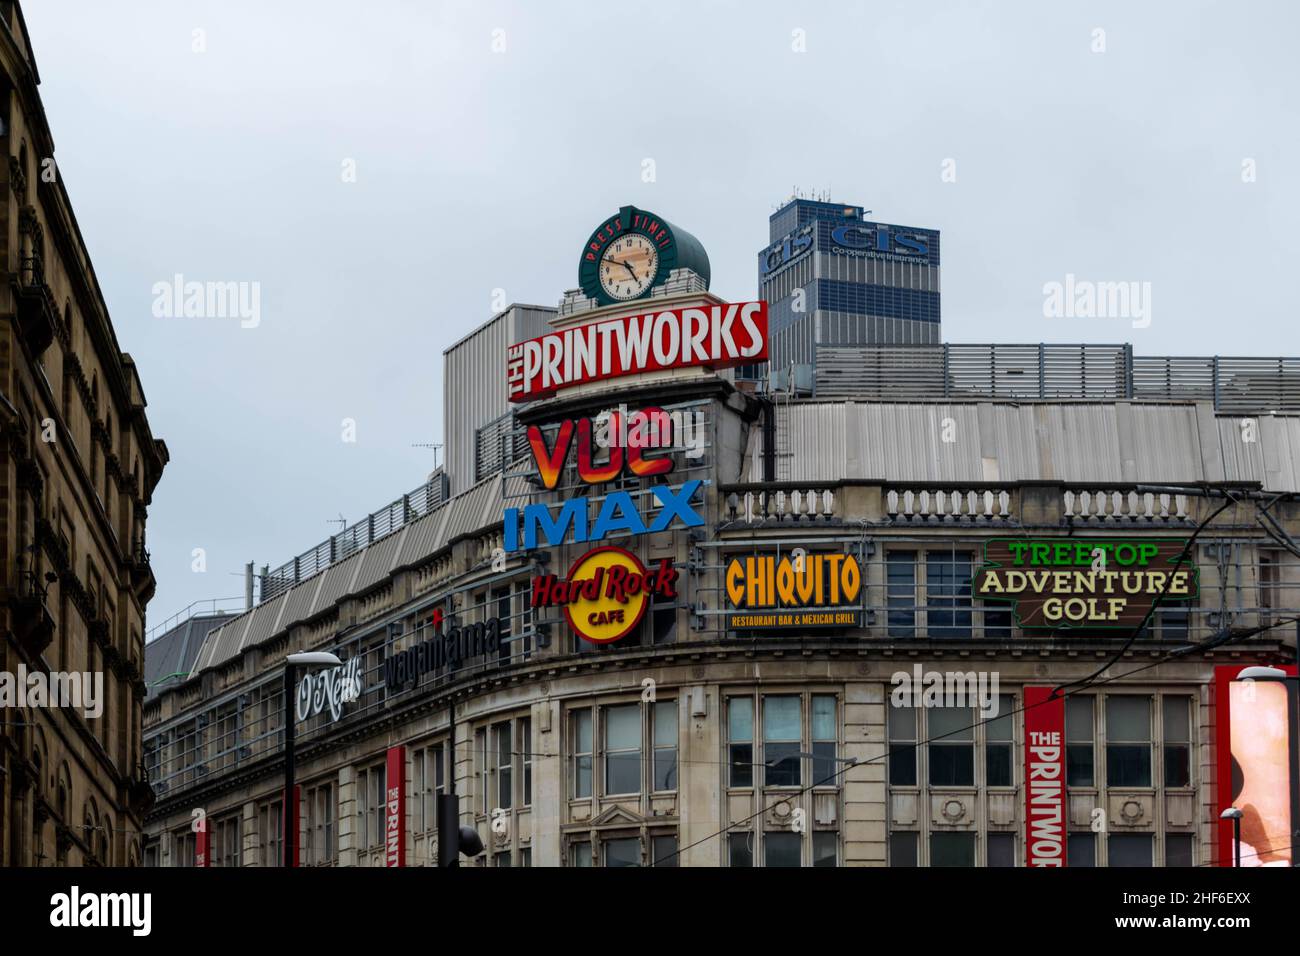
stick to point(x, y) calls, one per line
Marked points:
point(222, 644)
point(263, 625)
point(472, 510)
point(422, 537)
point(301, 597)
point(1073, 442)
point(377, 560)
point(338, 582)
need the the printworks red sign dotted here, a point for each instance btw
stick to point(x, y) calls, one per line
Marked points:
point(714, 336)
point(395, 807)
point(1044, 778)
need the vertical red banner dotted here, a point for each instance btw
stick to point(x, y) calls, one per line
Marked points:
point(1254, 745)
point(395, 807)
point(202, 843)
point(1045, 807)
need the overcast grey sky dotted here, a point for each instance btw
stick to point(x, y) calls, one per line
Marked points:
point(479, 170)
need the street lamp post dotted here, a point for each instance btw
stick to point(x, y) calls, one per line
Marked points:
point(1233, 814)
point(304, 660)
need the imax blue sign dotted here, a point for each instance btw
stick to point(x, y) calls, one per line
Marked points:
point(543, 524)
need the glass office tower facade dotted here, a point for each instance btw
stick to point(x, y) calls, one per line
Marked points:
point(834, 278)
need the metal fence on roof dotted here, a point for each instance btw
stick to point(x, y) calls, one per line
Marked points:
point(378, 524)
point(1055, 372)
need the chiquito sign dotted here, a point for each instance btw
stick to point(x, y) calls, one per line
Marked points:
point(797, 590)
point(606, 592)
point(1085, 582)
point(716, 336)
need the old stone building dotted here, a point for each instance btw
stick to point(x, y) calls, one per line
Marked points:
point(78, 465)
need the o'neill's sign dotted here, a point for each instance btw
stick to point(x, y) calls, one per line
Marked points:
point(796, 590)
point(1085, 582)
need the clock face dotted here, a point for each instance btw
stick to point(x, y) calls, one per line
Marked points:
point(628, 266)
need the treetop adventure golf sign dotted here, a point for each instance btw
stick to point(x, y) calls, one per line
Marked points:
point(606, 592)
point(711, 336)
point(796, 590)
point(1085, 582)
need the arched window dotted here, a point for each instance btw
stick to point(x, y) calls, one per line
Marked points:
point(90, 830)
point(105, 845)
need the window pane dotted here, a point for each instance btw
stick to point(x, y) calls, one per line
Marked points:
point(952, 849)
point(1081, 849)
point(1179, 850)
point(1078, 765)
point(623, 727)
point(742, 765)
point(740, 849)
point(1128, 718)
point(1078, 718)
point(952, 724)
point(781, 718)
point(665, 723)
point(823, 722)
point(581, 854)
point(1178, 765)
point(1002, 849)
point(781, 849)
point(623, 772)
point(1177, 726)
point(825, 848)
point(625, 852)
point(1128, 765)
point(998, 766)
point(902, 750)
point(582, 732)
point(664, 851)
point(902, 849)
point(900, 574)
point(952, 765)
point(947, 588)
point(740, 719)
point(782, 767)
point(1002, 727)
point(1129, 849)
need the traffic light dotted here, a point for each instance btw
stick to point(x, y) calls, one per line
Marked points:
point(454, 839)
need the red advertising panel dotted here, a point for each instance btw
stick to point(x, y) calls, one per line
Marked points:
point(1044, 778)
point(395, 808)
point(202, 842)
point(710, 336)
point(1254, 736)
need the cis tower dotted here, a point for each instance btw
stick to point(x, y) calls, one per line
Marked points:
point(832, 278)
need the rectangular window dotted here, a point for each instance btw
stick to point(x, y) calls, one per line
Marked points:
point(947, 594)
point(580, 854)
point(740, 741)
point(622, 748)
point(781, 848)
point(663, 621)
point(1178, 741)
point(580, 733)
point(900, 592)
point(902, 849)
point(952, 747)
point(665, 745)
point(999, 748)
point(525, 746)
point(1129, 849)
point(781, 741)
point(825, 844)
point(319, 801)
point(270, 832)
point(952, 849)
point(1128, 741)
point(902, 747)
point(1078, 741)
point(1002, 849)
point(504, 766)
point(663, 851)
point(1179, 850)
point(740, 849)
point(825, 735)
point(1081, 849)
point(625, 851)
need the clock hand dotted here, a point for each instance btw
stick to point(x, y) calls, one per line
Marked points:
point(629, 268)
